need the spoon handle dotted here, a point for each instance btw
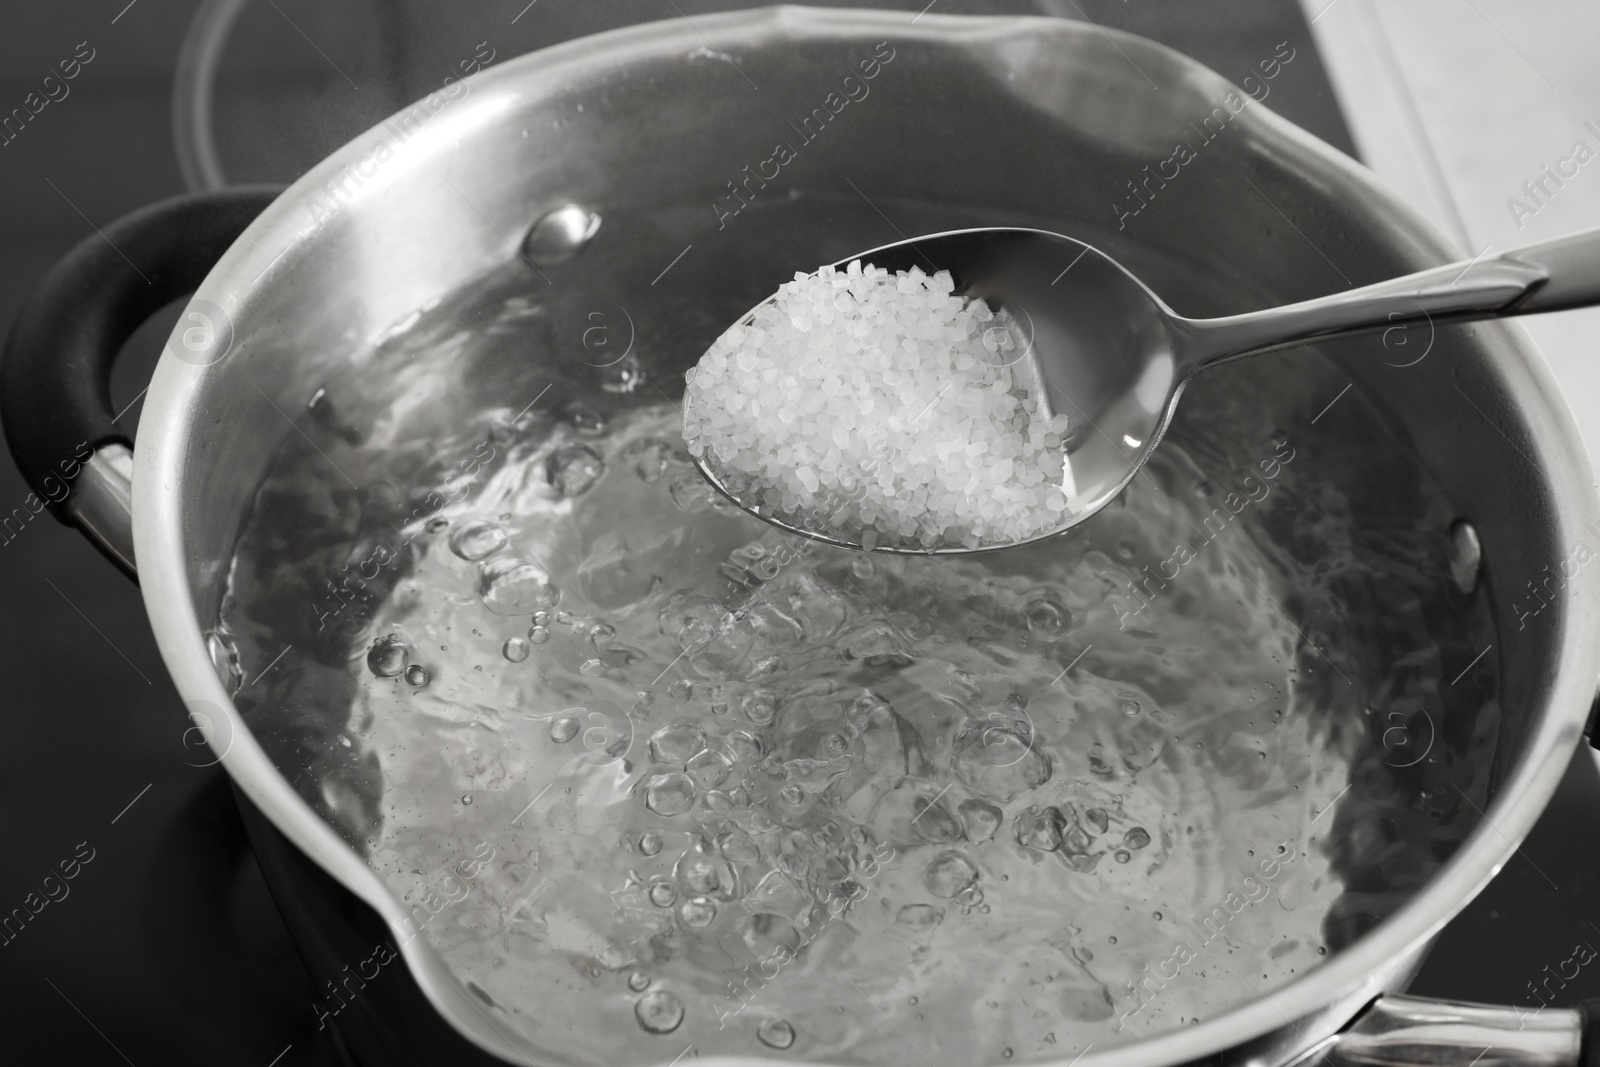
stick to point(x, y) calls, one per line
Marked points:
point(1551, 276)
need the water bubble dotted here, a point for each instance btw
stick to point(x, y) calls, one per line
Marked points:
point(669, 794)
point(1074, 838)
point(677, 742)
point(1040, 828)
point(474, 540)
point(662, 894)
point(933, 823)
point(467, 799)
point(948, 873)
point(697, 912)
point(792, 795)
point(775, 1033)
point(760, 706)
point(1097, 760)
point(538, 635)
point(702, 872)
point(637, 981)
point(387, 657)
point(585, 419)
point(770, 937)
point(680, 691)
point(649, 458)
point(743, 747)
point(417, 675)
point(659, 1012)
point(739, 847)
point(512, 586)
point(709, 769)
point(1098, 819)
point(573, 469)
point(516, 649)
point(997, 757)
point(980, 818)
point(1046, 615)
point(1122, 855)
point(564, 729)
point(862, 568)
point(921, 915)
point(1138, 837)
point(1083, 862)
point(649, 844)
point(559, 234)
point(692, 493)
point(1130, 708)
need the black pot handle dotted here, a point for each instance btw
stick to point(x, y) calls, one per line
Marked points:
point(55, 374)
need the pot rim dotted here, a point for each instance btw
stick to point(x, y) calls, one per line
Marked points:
point(163, 451)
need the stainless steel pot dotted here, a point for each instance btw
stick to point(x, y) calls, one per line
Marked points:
point(1026, 121)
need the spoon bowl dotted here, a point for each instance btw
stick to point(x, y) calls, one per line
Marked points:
point(1094, 343)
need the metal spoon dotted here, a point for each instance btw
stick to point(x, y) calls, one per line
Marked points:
point(1114, 358)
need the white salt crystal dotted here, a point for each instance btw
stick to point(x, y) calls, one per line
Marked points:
point(877, 407)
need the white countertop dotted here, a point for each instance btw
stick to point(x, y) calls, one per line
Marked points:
point(1456, 104)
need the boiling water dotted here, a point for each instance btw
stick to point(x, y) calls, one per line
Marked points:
point(650, 774)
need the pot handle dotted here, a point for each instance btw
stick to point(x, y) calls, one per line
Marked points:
point(1404, 1031)
point(55, 373)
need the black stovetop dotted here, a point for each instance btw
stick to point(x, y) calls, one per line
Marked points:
point(164, 947)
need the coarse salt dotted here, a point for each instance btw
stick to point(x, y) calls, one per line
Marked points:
point(879, 408)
